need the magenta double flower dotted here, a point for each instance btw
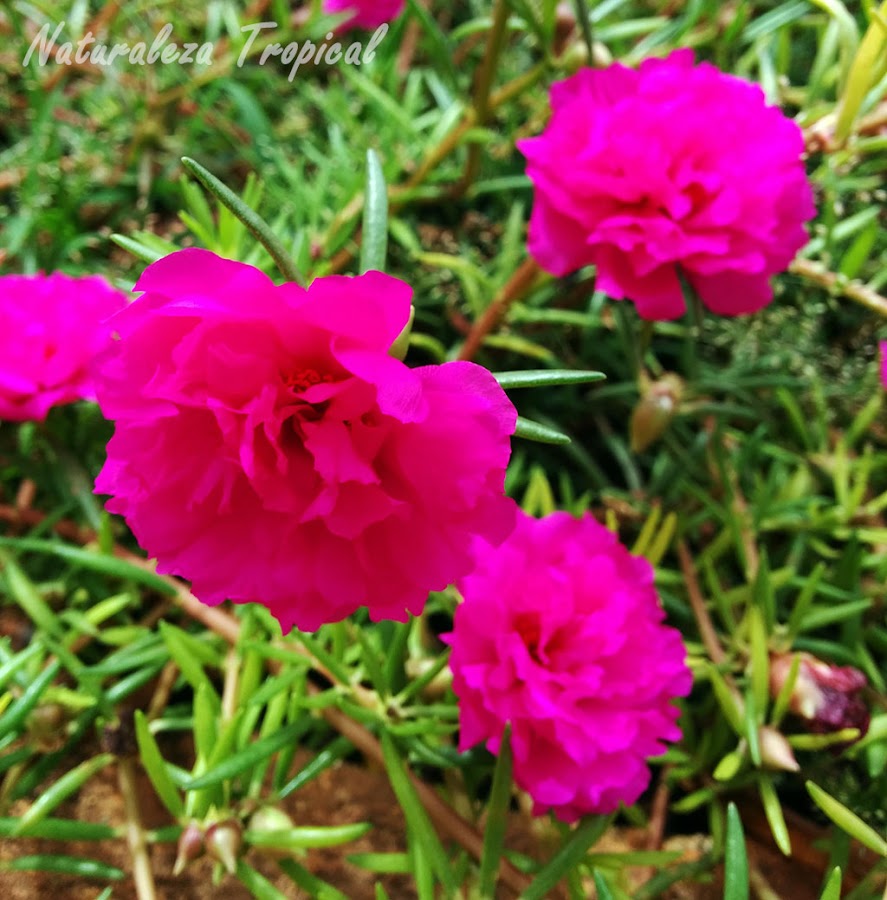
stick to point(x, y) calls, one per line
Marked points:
point(268, 448)
point(671, 168)
point(51, 326)
point(560, 635)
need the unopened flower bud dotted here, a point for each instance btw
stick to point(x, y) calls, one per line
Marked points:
point(564, 27)
point(654, 411)
point(776, 752)
point(224, 841)
point(826, 696)
point(402, 342)
point(190, 847)
point(574, 58)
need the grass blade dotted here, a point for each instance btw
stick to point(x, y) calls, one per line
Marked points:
point(374, 242)
point(418, 822)
point(735, 858)
point(535, 431)
point(257, 226)
point(497, 818)
point(847, 821)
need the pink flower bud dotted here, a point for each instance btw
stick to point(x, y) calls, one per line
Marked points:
point(826, 696)
point(190, 847)
point(654, 411)
point(224, 841)
point(776, 752)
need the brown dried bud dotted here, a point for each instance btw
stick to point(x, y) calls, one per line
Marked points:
point(826, 696)
point(224, 841)
point(654, 412)
point(190, 847)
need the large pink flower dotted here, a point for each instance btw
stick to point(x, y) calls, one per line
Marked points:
point(50, 328)
point(665, 169)
point(268, 447)
point(365, 13)
point(560, 634)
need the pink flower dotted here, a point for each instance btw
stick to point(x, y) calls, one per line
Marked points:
point(365, 13)
point(560, 634)
point(269, 449)
point(670, 167)
point(883, 348)
point(50, 328)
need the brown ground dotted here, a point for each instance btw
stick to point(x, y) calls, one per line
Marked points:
point(340, 795)
point(351, 793)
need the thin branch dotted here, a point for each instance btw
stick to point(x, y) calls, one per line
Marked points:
point(853, 290)
point(703, 621)
point(142, 873)
point(518, 286)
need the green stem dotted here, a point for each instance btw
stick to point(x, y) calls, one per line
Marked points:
point(483, 86)
point(584, 15)
point(257, 226)
point(627, 332)
point(860, 78)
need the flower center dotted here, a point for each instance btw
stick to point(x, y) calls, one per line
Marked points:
point(302, 379)
point(530, 631)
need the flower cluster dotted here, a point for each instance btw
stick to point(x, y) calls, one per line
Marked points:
point(560, 634)
point(365, 13)
point(666, 171)
point(51, 326)
point(268, 448)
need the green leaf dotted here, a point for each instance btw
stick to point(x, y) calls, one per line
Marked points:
point(25, 593)
point(760, 662)
point(731, 705)
point(65, 865)
point(497, 818)
point(569, 856)
point(136, 248)
point(327, 757)
point(60, 790)
point(735, 858)
point(832, 889)
point(187, 653)
point(383, 863)
point(96, 562)
point(603, 889)
point(773, 809)
point(374, 240)
point(246, 758)
point(60, 830)
point(17, 662)
point(156, 768)
point(511, 381)
point(14, 717)
point(847, 821)
point(308, 837)
point(258, 884)
point(310, 883)
point(254, 223)
point(535, 431)
point(418, 822)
